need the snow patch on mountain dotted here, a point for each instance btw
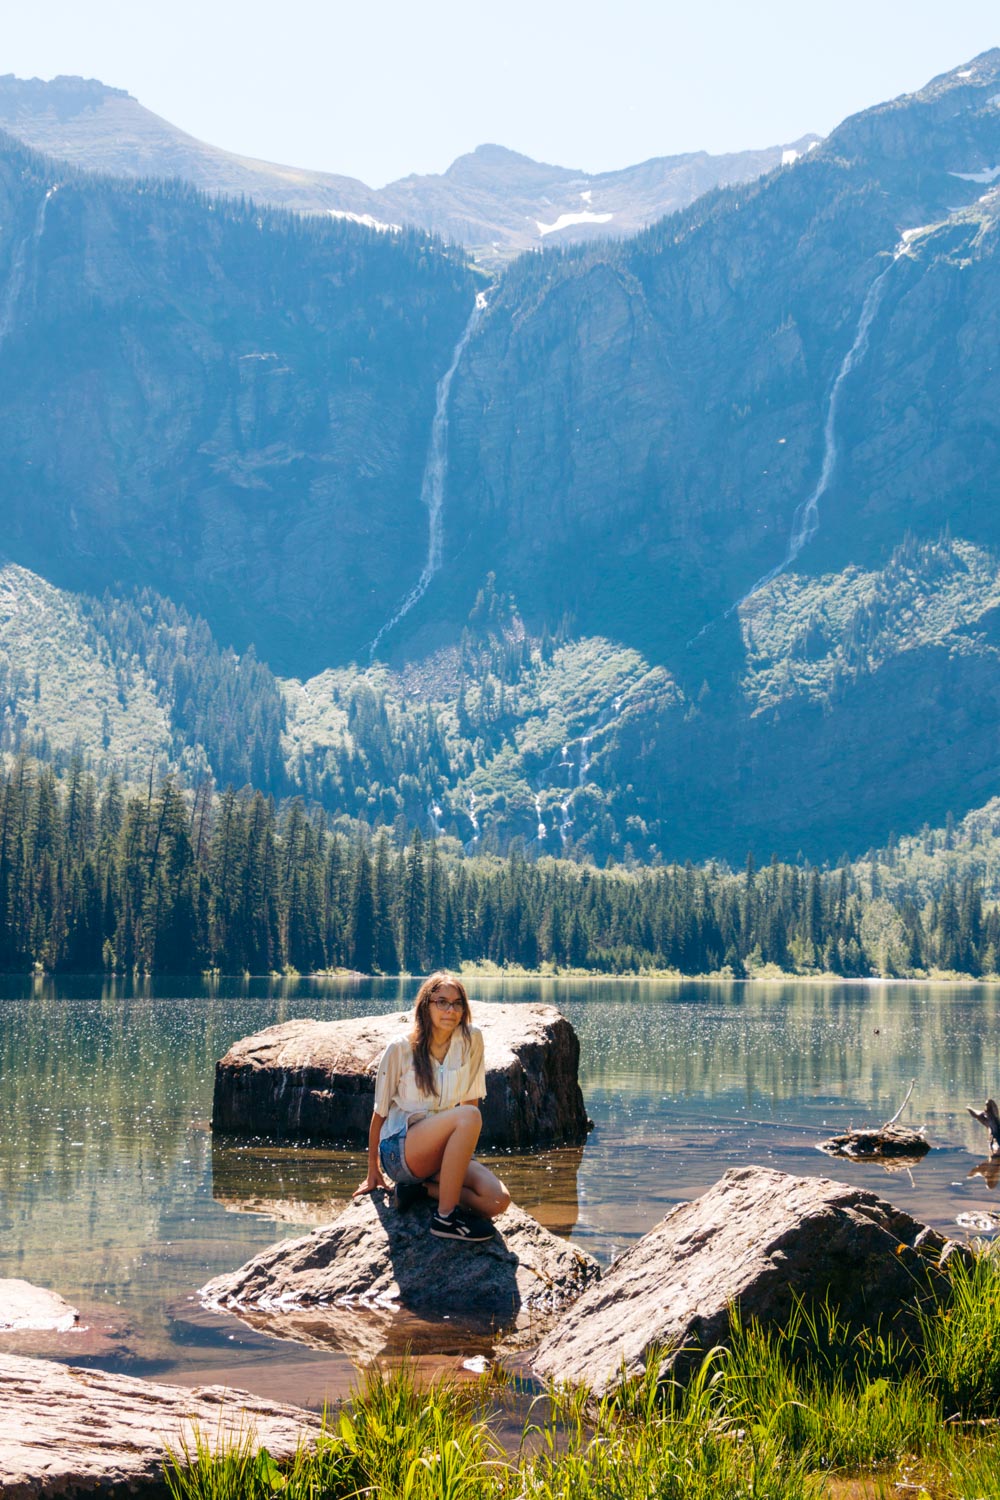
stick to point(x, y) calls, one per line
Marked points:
point(368, 220)
point(789, 155)
point(565, 220)
point(988, 174)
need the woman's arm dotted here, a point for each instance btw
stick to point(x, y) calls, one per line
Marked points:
point(475, 1065)
point(374, 1179)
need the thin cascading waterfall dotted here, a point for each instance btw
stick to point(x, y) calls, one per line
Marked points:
point(582, 769)
point(542, 831)
point(805, 521)
point(432, 485)
point(558, 762)
point(474, 820)
point(19, 266)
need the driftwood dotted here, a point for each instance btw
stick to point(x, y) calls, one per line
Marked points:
point(989, 1116)
point(875, 1143)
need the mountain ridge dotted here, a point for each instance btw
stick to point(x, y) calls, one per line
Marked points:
point(495, 201)
point(624, 640)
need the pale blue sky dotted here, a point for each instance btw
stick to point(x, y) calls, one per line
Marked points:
point(377, 90)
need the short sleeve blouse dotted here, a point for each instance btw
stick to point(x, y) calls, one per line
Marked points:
point(459, 1076)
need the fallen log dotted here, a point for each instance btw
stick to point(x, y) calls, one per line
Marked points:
point(878, 1142)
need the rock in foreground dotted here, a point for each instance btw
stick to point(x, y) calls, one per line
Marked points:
point(757, 1239)
point(315, 1080)
point(373, 1270)
point(71, 1432)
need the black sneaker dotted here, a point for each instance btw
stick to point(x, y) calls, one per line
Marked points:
point(405, 1194)
point(461, 1225)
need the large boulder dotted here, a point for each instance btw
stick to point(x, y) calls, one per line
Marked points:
point(315, 1080)
point(376, 1281)
point(756, 1240)
point(66, 1431)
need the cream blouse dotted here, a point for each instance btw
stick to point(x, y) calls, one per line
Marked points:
point(398, 1095)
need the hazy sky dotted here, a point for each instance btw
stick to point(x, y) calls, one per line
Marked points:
point(379, 90)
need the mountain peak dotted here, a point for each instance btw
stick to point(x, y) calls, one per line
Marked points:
point(65, 95)
point(488, 151)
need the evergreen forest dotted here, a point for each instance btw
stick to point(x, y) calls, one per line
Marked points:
point(98, 877)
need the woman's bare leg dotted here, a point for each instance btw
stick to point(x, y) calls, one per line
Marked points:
point(482, 1191)
point(442, 1146)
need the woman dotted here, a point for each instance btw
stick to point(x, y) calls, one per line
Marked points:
point(426, 1120)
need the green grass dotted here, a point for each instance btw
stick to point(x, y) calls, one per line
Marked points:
point(780, 1413)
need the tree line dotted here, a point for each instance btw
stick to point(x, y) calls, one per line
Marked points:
point(94, 877)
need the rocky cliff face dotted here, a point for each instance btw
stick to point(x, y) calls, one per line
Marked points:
point(231, 405)
point(640, 423)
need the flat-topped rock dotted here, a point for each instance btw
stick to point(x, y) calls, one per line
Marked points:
point(375, 1273)
point(70, 1432)
point(756, 1240)
point(315, 1080)
point(32, 1309)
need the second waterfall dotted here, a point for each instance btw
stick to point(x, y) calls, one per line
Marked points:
point(432, 486)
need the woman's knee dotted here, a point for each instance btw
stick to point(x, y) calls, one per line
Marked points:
point(495, 1200)
point(468, 1116)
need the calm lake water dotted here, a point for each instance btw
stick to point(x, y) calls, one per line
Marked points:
point(113, 1194)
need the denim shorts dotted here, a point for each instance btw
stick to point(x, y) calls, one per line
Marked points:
point(392, 1159)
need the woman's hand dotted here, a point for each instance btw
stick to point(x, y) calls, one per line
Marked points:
point(371, 1184)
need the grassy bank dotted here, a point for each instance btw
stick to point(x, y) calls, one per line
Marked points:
point(803, 1411)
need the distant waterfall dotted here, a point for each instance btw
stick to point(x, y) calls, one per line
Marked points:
point(18, 267)
point(582, 770)
point(805, 521)
point(435, 474)
point(474, 820)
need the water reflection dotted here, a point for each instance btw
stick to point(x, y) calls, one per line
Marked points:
point(311, 1185)
point(988, 1170)
point(112, 1193)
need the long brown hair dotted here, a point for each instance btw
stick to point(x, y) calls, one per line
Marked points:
point(423, 1030)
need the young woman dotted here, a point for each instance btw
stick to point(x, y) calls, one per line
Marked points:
point(426, 1120)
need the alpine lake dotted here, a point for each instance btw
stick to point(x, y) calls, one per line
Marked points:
point(114, 1193)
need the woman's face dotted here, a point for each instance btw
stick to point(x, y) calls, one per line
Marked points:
point(446, 1008)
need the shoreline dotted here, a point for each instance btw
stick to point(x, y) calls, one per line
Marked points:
point(493, 972)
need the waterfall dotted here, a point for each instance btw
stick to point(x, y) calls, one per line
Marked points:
point(435, 475)
point(19, 262)
point(471, 809)
point(582, 770)
point(805, 521)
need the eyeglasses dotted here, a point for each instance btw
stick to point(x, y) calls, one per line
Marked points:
point(446, 1004)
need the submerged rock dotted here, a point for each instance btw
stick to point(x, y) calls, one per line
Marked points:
point(315, 1080)
point(757, 1240)
point(376, 1280)
point(65, 1431)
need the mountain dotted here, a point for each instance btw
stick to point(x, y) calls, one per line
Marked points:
point(495, 202)
point(640, 422)
point(670, 547)
point(228, 404)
